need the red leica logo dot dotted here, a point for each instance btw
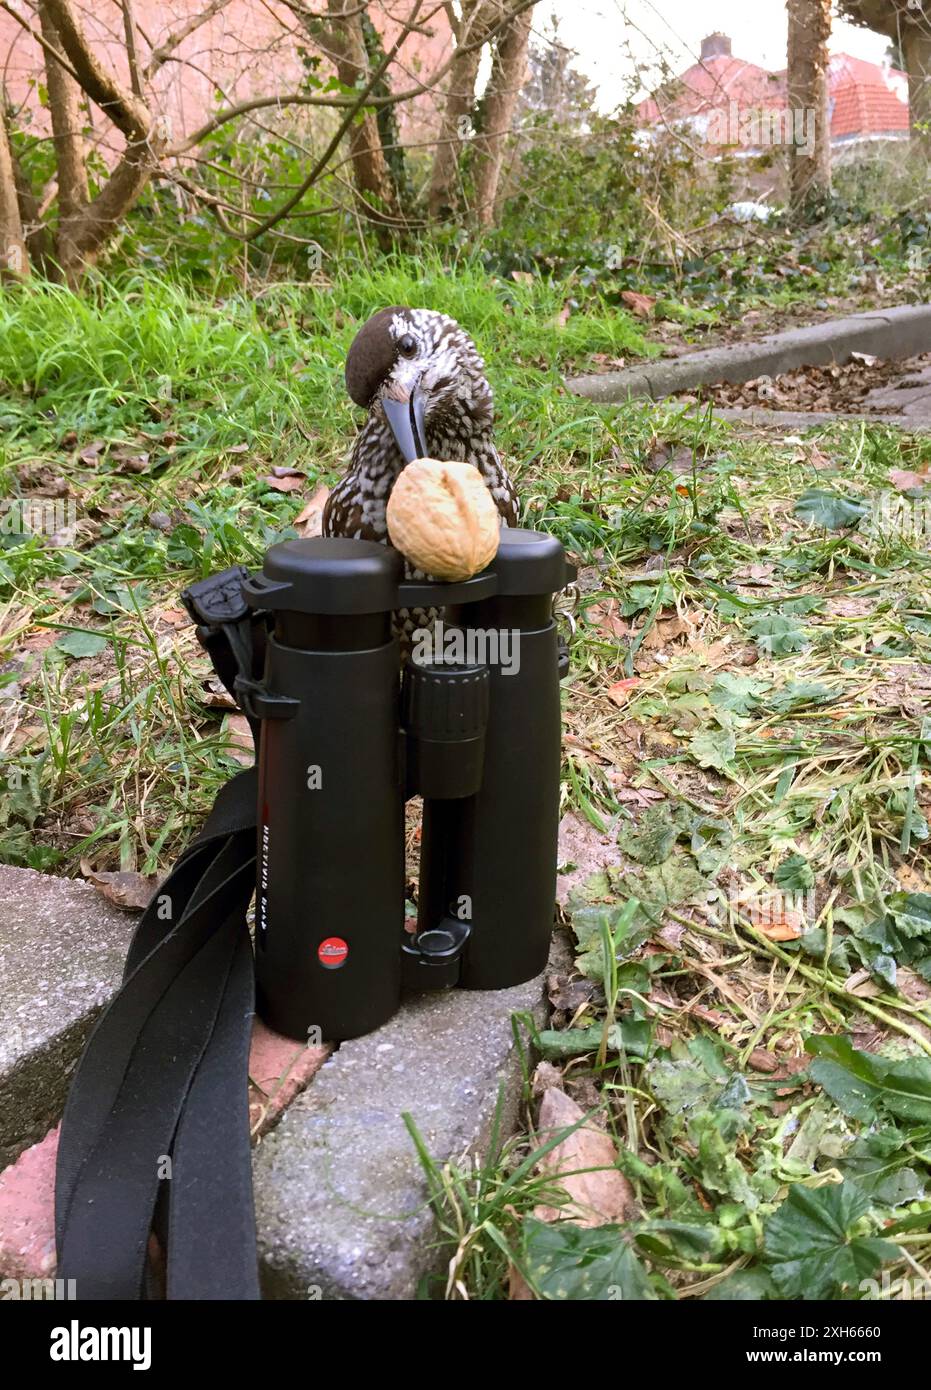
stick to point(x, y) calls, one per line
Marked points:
point(332, 952)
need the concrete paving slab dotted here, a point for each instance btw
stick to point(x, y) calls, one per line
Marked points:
point(62, 948)
point(904, 331)
point(340, 1195)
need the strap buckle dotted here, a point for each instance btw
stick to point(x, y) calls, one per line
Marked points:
point(218, 599)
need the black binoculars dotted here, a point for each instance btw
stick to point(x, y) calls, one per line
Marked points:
point(471, 724)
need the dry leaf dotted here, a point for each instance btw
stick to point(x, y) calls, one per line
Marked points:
point(605, 616)
point(910, 880)
point(310, 520)
point(596, 1197)
point(292, 482)
point(862, 984)
point(522, 277)
point(903, 479)
point(128, 890)
point(640, 304)
point(239, 740)
point(129, 460)
point(619, 692)
point(776, 923)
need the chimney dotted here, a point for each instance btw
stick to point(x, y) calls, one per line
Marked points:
point(715, 46)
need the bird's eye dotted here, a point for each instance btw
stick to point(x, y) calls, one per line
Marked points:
point(407, 346)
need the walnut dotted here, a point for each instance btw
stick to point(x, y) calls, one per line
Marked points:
point(443, 518)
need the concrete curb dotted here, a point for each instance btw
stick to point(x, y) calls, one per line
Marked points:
point(759, 418)
point(341, 1199)
point(904, 331)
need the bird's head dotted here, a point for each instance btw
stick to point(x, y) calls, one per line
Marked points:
point(423, 371)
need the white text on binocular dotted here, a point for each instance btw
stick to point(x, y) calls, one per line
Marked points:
point(451, 646)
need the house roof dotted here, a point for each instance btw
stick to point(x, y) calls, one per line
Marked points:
point(866, 100)
point(711, 84)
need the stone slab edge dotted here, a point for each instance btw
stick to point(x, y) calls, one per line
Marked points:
point(901, 332)
point(341, 1198)
point(62, 948)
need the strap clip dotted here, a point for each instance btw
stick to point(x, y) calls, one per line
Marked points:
point(218, 599)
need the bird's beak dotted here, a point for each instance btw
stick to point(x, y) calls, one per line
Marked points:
point(406, 421)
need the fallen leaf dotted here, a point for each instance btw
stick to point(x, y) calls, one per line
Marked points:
point(605, 616)
point(310, 520)
point(903, 479)
point(775, 922)
point(619, 692)
point(174, 617)
point(125, 889)
point(240, 745)
point(129, 460)
point(292, 482)
point(596, 1197)
point(522, 277)
point(640, 304)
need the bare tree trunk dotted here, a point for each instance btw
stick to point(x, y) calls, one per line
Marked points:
point(64, 99)
point(85, 227)
point(478, 18)
point(14, 259)
point(34, 228)
point(504, 86)
point(916, 48)
point(810, 158)
point(345, 45)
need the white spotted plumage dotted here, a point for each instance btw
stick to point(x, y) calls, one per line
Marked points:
point(458, 420)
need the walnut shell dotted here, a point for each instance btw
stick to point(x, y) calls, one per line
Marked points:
point(443, 518)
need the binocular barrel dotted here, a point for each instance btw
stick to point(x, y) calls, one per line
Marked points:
point(474, 729)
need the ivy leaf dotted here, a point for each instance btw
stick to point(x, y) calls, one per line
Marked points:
point(568, 1262)
point(747, 1285)
point(739, 694)
point(809, 1247)
point(656, 832)
point(911, 913)
point(778, 635)
point(865, 1086)
point(819, 507)
point(714, 748)
point(794, 874)
point(81, 645)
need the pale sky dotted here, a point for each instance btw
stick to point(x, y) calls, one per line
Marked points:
point(602, 30)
